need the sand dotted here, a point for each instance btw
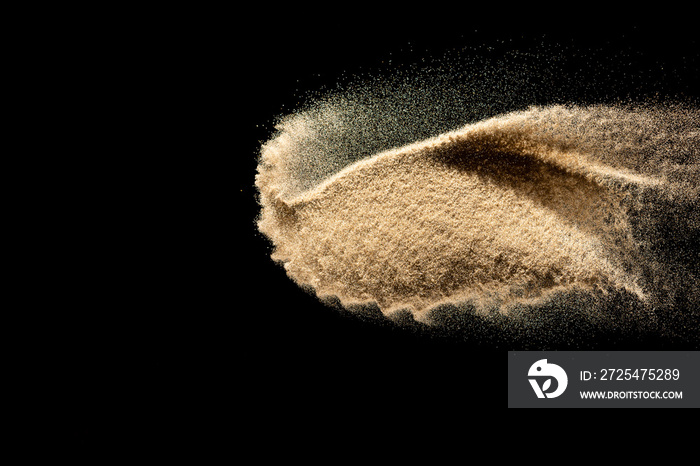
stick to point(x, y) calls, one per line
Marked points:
point(501, 212)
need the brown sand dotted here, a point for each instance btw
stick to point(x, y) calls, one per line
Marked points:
point(504, 211)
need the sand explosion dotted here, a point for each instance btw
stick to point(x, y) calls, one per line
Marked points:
point(502, 214)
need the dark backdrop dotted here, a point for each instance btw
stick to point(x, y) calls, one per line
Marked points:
point(199, 319)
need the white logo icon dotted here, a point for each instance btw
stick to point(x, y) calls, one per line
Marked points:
point(545, 371)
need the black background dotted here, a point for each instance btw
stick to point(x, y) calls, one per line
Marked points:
point(202, 321)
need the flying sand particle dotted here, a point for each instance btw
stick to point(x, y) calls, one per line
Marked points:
point(500, 213)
